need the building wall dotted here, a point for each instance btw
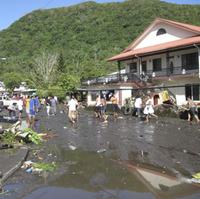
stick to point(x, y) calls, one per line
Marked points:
point(121, 95)
point(149, 59)
point(125, 94)
point(179, 93)
point(172, 34)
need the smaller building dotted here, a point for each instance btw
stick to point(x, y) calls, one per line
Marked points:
point(23, 90)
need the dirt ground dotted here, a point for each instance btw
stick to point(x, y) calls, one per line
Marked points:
point(169, 144)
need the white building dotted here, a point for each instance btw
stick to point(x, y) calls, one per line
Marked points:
point(165, 55)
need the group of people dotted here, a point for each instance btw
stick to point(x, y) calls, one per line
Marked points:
point(100, 107)
point(143, 107)
point(32, 104)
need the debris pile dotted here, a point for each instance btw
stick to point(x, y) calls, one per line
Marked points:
point(15, 134)
point(38, 168)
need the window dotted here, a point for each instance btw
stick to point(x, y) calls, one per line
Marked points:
point(133, 67)
point(157, 65)
point(192, 91)
point(94, 96)
point(190, 61)
point(144, 66)
point(161, 31)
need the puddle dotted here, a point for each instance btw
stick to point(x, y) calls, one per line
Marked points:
point(64, 193)
point(85, 175)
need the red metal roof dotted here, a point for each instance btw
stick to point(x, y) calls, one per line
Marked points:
point(157, 48)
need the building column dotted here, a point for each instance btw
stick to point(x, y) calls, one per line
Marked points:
point(198, 49)
point(140, 66)
point(167, 64)
point(119, 69)
point(199, 60)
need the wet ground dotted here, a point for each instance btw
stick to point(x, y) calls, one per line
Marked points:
point(124, 158)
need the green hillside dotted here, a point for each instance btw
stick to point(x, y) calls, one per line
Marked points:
point(83, 35)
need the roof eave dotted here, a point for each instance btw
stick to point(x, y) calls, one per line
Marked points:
point(149, 53)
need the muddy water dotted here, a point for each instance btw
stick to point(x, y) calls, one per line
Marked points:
point(123, 159)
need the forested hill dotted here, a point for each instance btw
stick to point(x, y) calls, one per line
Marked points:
point(85, 34)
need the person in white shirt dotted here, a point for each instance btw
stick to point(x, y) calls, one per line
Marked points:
point(72, 109)
point(138, 106)
point(20, 108)
point(149, 110)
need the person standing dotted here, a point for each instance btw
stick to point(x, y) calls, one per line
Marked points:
point(53, 103)
point(103, 109)
point(114, 101)
point(48, 105)
point(27, 106)
point(32, 112)
point(20, 109)
point(193, 112)
point(148, 110)
point(72, 109)
point(138, 106)
point(37, 103)
point(98, 106)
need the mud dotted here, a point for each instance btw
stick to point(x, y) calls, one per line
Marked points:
point(158, 150)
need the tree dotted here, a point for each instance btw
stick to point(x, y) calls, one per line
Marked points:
point(69, 82)
point(45, 67)
point(12, 80)
point(61, 63)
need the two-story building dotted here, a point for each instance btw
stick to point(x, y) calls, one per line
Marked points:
point(165, 55)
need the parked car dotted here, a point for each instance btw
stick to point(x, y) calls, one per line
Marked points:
point(5, 101)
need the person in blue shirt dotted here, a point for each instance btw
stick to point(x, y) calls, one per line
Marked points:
point(37, 103)
point(32, 111)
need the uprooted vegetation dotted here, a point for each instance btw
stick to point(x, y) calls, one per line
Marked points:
point(15, 135)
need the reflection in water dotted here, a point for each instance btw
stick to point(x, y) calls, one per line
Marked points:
point(70, 193)
point(145, 131)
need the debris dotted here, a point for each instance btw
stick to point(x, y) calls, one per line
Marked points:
point(29, 170)
point(193, 180)
point(184, 151)
point(15, 133)
point(196, 175)
point(101, 151)
point(65, 127)
point(27, 164)
point(37, 168)
point(141, 136)
point(48, 135)
point(72, 147)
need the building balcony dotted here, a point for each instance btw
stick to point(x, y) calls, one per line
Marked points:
point(115, 78)
point(147, 76)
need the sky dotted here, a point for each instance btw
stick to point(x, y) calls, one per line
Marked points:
point(12, 10)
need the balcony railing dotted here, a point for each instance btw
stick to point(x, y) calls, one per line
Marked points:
point(135, 77)
point(124, 77)
point(171, 71)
